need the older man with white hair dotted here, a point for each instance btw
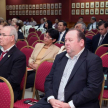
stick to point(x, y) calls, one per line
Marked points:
point(12, 61)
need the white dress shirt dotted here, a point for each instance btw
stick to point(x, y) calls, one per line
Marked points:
point(101, 38)
point(94, 26)
point(42, 26)
point(6, 50)
point(61, 35)
point(66, 74)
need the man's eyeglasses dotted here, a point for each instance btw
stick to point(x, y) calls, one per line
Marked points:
point(2, 34)
point(47, 37)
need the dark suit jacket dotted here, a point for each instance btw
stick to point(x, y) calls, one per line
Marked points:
point(20, 35)
point(88, 44)
point(63, 38)
point(84, 84)
point(95, 41)
point(12, 67)
point(91, 24)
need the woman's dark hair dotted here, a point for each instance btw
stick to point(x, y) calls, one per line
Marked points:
point(49, 24)
point(19, 25)
point(54, 34)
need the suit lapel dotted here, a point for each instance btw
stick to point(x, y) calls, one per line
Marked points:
point(78, 64)
point(8, 55)
point(105, 39)
point(48, 51)
point(63, 37)
point(38, 50)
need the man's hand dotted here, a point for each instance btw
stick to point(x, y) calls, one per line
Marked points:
point(58, 104)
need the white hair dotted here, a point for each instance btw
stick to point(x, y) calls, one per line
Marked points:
point(13, 31)
point(15, 20)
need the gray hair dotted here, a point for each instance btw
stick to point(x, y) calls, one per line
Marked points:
point(83, 26)
point(13, 31)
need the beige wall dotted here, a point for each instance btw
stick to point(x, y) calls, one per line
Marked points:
point(3, 9)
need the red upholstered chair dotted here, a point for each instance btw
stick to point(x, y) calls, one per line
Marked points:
point(104, 58)
point(23, 84)
point(32, 30)
point(38, 41)
point(90, 36)
point(95, 31)
point(32, 39)
point(101, 94)
point(21, 43)
point(59, 45)
point(90, 33)
point(27, 50)
point(101, 50)
point(42, 37)
point(42, 71)
point(39, 33)
point(32, 34)
point(6, 94)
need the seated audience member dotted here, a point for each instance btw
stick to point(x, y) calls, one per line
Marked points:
point(93, 24)
point(47, 25)
point(33, 22)
point(80, 20)
point(81, 26)
point(14, 20)
point(18, 27)
point(12, 61)
point(41, 52)
point(42, 25)
point(62, 30)
point(9, 21)
point(76, 77)
point(102, 37)
point(26, 22)
point(55, 25)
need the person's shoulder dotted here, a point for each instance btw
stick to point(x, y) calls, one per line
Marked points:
point(96, 36)
point(18, 53)
point(55, 47)
point(91, 56)
point(61, 55)
point(39, 44)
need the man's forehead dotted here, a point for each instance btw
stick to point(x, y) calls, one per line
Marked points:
point(71, 33)
point(5, 29)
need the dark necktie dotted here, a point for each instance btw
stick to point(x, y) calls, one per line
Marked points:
point(92, 26)
point(2, 55)
point(102, 37)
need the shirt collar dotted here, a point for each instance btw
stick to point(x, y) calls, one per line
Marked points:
point(94, 23)
point(7, 49)
point(77, 55)
point(104, 34)
point(63, 32)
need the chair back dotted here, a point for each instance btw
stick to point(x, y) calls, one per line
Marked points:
point(42, 37)
point(95, 31)
point(101, 50)
point(32, 30)
point(59, 45)
point(38, 41)
point(89, 36)
point(23, 83)
point(27, 50)
point(6, 94)
point(101, 94)
point(32, 34)
point(39, 33)
point(42, 71)
point(21, 43)
point(32, 39)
